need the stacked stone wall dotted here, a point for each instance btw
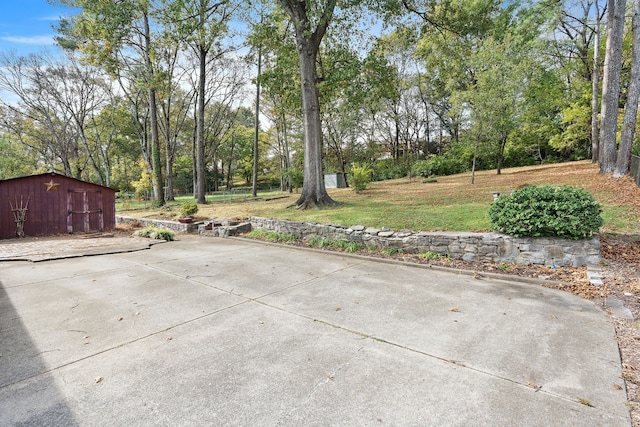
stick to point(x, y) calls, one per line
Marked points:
point(171, 225)
point(494, 247)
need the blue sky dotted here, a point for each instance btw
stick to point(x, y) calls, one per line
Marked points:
point(25, 25)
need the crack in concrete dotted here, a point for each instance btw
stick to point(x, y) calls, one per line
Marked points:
point(329, 378)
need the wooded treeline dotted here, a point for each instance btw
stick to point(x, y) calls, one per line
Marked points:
point(157, 97)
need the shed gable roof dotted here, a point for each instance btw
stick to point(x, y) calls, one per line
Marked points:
point(56, 175)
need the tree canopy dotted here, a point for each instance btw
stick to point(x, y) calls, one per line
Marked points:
point(398, 85)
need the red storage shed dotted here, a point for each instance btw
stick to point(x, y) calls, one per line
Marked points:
point(55, 204)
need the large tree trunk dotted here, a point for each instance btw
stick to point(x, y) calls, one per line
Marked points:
point(314, 193)
point(256, 135)
point(169, 153)
point(595, 82)
point(611, 85)
point(631, 107)
point(156, 163)
point(200, 163)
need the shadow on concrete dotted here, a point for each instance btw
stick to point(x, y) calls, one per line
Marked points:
point(29, 395)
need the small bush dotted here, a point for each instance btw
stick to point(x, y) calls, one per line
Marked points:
point(163, 234)
point(360, 176)
point(188, 209)
point(531, 211)
point(145, 232)
point(156, 233)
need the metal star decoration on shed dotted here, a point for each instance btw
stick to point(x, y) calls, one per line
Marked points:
point(52, 185)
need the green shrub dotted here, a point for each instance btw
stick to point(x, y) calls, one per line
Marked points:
point(392, 251)
point(163, 234)
point(320, 242)
point(314, 241)
point(272, 236)
point(430, 256)
point(339, 244)
point(387, 169)
point(145, 232)
point(360, 176)
point(438, 165)
point(156, 233)
point(531, 211)
point(296, 177)
point(188, 209)
point(354, 247)
point(421, 168)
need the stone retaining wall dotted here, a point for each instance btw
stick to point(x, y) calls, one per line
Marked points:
point(493, 247)
point(171, 225)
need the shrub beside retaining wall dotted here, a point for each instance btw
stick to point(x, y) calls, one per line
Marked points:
point(493, 247)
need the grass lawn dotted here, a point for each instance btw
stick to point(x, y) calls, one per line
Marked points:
point(450, 204)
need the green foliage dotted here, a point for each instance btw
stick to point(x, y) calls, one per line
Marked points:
point(576, 137)
point(163, 234)
point(272, 236)
point(360, 176)
point(531, 211)
point(387, 169)
point(319, 242)
point(341, 245)
point(421, 168)
point(143, 187)
point(438, 165)
point(15, 159)
point(503, 266)
point(296, 177)
point(188, 209)
point(392, 251)
point(354, 247)
point(156, 233)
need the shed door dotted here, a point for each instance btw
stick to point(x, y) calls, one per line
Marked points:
point(84, 211)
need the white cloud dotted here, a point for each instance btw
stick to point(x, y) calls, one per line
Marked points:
point(35, 40)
